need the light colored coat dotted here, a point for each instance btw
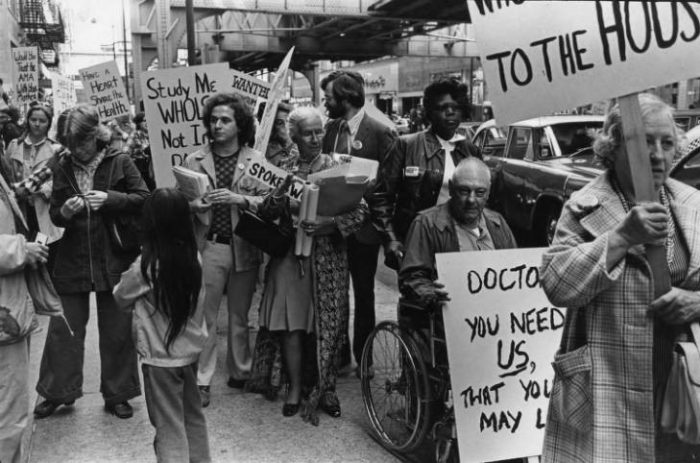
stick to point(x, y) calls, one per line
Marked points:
point(245, 255)
point(602, 403)
point(15, 153)
point(17, 311)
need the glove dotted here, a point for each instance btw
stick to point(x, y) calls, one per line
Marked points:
point(393, 254)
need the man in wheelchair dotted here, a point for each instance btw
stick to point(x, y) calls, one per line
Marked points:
point(461, 224)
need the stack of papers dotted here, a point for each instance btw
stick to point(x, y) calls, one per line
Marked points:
point(194, 185)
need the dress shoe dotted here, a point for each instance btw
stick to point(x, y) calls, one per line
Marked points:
point(236, 383)
point(330, 404)
point(47, 407)
point(205, 394)
point(290, 409)
point(121, 410)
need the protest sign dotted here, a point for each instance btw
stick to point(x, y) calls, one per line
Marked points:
point(277, 91)
point(546, 56)
point(26, 61)
point(103, 84)
point(269, 174)
point(173, 103)
point(254, 90)
point(502, 334)
point(63, 91)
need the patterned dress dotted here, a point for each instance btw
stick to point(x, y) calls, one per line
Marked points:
point(330, 284)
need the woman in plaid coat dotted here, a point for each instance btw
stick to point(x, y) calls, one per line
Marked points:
point(616, 350)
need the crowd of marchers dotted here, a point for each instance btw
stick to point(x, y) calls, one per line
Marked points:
point(69, 205)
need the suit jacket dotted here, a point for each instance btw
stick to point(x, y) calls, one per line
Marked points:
point(245, 255)
point(375, 141)
point(602, 402)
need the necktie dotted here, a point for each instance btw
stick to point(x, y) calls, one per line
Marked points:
point(342, 143)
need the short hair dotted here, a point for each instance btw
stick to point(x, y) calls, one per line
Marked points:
point(38, 106)
point(453, 87)
point(83, 122)
point(139, 117)
point(242, 113)
point(347, 86)
point(301, 114)
point(610, 137)
point(285, 107)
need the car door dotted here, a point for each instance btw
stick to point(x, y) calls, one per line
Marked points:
point(515, 175)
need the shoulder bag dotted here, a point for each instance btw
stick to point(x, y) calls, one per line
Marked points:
point(267, 236)
point(680, 412)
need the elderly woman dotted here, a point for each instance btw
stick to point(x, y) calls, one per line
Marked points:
point(617, 342)
point(17, 321)
point(93, 187)
point(305, 300)
point(27, 155)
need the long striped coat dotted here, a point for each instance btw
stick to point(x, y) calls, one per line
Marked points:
point(602, 403)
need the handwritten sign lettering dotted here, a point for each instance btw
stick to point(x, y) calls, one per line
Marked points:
point(26, 60)
point(585, 51)
point(105, 89)
point(502, 334)
point(269, 174)
point(173, 102)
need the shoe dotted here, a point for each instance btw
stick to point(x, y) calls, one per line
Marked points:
point(121, 410)
point(290, 409)
point(370, 372)
point(205, 394)
point(47, 407)
point(330, 404)
point(236, 383)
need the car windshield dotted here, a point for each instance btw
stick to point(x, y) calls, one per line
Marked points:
point(575, 136)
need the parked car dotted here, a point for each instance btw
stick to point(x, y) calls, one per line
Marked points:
point(490, 138)
point(545, 160)
point(687, 118)
point(467, 129)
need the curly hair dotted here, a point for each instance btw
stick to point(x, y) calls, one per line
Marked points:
point(242, 113)
point(301, 114)
point(453, 87)
point(609, 138)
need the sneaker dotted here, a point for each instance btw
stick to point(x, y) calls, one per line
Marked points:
point(121, 410)
point(205, 394)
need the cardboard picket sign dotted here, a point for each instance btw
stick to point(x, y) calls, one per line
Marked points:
point(546, 56)
point(105, 89)
point(173, 101)
point(26, 75)
point(502, 333)
point(277, 91)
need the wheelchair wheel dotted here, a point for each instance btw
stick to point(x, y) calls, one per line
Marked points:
point(395, 388)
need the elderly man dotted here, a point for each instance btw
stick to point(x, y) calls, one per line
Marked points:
point(420, 165)
point(229, 263)
point(461, 224)
point(353, 131)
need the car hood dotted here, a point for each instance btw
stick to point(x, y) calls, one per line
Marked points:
point(587, 167)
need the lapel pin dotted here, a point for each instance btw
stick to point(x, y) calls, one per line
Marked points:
point(241, 165)
point(356, 145)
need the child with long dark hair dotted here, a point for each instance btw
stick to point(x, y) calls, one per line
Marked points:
point(164, 287)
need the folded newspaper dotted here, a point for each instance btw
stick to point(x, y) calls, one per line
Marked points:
point(341, 187)
point(193, 184)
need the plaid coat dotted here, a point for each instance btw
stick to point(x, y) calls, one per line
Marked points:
point(602, 403)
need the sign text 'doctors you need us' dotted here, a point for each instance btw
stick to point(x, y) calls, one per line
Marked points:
point(558, 55)
point(502, 334)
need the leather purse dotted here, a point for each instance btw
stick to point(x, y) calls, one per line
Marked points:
point(267, 236)
point(680, 412)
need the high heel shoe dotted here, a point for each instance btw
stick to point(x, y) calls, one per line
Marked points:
point(290, 409)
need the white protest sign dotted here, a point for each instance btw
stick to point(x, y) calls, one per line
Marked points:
point(103, 84)
point(269, 174)
point(502, 334)
point(63, 90)
point(546, 56)
point(254, 90)
point(173, 103)
point(26, 61)
point(276, 94)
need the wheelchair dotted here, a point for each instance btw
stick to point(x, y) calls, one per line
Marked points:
point(405, 379)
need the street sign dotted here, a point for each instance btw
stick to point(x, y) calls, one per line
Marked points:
point(546, 56)
point(502, 333)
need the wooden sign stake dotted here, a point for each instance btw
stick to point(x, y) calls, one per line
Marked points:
point(639, 177)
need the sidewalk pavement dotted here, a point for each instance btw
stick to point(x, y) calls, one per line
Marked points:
point(242, 427)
